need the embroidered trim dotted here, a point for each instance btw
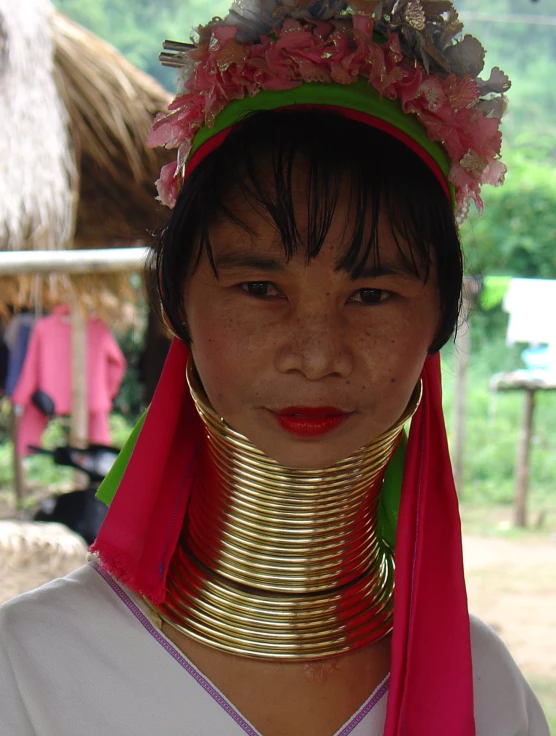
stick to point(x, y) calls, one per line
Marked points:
point(366, 708)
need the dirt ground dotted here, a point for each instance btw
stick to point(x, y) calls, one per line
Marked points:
point(511, 585)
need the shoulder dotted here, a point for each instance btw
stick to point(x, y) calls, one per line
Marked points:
point(54, 613)
point(38, 632)
point(504, 703)
point(75, 589)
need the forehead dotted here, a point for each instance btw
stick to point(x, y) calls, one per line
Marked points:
point(254, 233)
point(267, 260)
point(288, 198)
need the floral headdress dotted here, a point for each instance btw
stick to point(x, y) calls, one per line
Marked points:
point(408, 52)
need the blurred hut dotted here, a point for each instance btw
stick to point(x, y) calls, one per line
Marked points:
point(74, 168)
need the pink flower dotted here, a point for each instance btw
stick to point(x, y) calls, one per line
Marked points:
point(222, 34)
point(167, 185)
point(170, 128)
point(342, 51)
point(495, 173)
point(161, 133)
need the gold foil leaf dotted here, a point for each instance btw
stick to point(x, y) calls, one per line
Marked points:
point(414, 15)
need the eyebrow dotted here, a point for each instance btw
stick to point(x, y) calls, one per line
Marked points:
point(397, 268)
point(235, 260)
point(238, 260)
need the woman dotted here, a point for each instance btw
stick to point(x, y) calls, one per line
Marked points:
point(244, 578)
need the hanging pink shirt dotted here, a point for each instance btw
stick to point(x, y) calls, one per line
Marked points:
point(47, 364)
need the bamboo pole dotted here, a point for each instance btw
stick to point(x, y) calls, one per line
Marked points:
point(15, 263)
point(79, 393)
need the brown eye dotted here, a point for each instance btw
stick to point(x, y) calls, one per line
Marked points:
point(260, 289)
point(370, 296)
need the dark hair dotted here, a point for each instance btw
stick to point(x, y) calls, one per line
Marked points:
point(384, 173)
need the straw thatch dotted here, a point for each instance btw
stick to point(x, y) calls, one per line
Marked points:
point(37, 167)
point(74, 169)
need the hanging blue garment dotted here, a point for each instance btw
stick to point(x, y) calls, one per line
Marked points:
point(17, 357)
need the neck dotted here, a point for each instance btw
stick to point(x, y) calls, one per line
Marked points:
point(280, 562)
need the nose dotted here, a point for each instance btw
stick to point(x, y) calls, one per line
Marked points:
point(315, 345)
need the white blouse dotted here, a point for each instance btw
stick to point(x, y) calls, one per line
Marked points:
point(81, 657)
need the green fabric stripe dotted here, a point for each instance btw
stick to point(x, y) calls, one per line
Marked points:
point(107, 489)
point(391, 495)
point(360, 96)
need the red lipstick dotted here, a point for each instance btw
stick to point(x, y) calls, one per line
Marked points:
point(308, 421)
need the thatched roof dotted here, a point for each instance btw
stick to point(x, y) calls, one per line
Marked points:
point(74, 169)
point(111, 105)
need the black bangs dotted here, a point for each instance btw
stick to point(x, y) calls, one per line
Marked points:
point(271, 161)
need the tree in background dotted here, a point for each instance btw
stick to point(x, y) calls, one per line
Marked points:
point(517, 233)
point(137, 28)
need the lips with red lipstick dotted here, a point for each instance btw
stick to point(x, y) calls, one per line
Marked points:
point(310, 421)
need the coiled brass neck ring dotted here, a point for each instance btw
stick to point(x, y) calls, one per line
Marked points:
point(280, 562)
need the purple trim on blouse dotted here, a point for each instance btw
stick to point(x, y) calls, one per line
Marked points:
point(206, 685)
point(366, 708)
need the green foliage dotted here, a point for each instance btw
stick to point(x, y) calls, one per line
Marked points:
point(40, 471)
point(516, 235)
point(129, 402)
point(517, 232)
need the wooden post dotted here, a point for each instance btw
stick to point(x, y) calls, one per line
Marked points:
point(522, 460)
point(19, 477)
point(463, 350)
point(79, 398)
point(470, 291)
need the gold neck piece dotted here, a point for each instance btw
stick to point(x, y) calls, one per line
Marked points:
point(282, 563)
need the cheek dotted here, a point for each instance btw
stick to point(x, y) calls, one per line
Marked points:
point(394, 350)
point(228, 351)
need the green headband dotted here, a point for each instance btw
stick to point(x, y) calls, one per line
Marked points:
point(359, 97)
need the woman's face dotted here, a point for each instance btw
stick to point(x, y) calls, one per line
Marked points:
point(307, 362)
